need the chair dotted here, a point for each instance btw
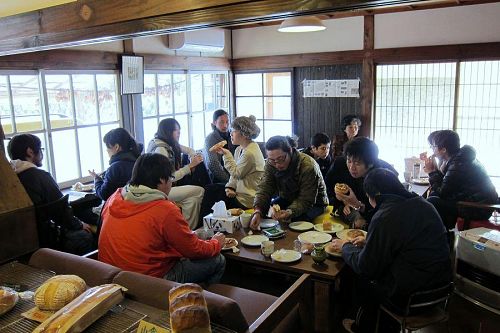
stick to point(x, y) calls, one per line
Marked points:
point(467, 210)
point(50, 219)
point(430, 307)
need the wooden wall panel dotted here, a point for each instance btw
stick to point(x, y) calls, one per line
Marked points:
point(315, 114)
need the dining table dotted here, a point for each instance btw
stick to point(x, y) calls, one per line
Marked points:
point(317, 305)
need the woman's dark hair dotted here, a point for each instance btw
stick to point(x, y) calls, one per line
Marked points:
point(362, 149)
point(384, 181)
point(149, 169)
point(347, 120)
point(446, 139)
point(285, 143)
point(123, 138)
point(166, 128)
point(320, 139)
point(216, 115)
point(20, 143)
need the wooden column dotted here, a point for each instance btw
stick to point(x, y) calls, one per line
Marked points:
point(368, 77)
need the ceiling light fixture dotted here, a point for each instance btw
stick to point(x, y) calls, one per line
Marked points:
point(301, 24)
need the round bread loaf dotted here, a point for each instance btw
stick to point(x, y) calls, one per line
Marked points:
point(8, 299)
point(192, 319)
point(342, 188)
point(351, 234)
point(236, 211)
point(58, 291)
point(183, 289)
point(187, 299)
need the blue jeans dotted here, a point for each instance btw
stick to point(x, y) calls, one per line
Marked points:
point(198, 271)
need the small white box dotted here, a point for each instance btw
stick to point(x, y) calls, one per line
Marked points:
point(223, 224)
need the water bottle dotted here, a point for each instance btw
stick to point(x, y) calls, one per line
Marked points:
point(416, 171)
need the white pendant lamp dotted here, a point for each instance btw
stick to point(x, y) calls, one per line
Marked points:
point(301, 24)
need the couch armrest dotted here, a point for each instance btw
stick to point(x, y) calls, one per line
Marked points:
point(273, 316)
point(92, 271)
point(154, 292)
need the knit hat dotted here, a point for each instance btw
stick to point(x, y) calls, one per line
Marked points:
point(247, 126)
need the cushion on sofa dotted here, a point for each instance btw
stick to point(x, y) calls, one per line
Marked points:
point(92, 271)
point(154, 292)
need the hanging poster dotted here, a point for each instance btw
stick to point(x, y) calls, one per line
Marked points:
point(331, 88)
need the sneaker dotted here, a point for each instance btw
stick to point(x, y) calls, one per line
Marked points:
point(348, 323)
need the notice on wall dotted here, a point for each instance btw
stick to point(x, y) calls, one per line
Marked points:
point(331, 88)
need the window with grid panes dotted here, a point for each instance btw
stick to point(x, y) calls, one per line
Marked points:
point(267, 96)
point(412, 100)
point(69, 112)
point(190, 98)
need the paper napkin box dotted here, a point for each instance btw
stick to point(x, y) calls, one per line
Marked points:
point(223, 224)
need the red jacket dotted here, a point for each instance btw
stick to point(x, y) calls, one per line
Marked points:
point(148, 238)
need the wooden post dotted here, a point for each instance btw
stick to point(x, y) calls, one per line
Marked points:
point(367, 81)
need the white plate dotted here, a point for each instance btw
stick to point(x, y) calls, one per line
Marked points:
point(420, 181)
point(253, 240)
point(301, 226)
point(332, 253)
point(343, 234)
point(286, 255)
point(315, 237)
point(225, 247)
point(335, 227)
point(268, 223)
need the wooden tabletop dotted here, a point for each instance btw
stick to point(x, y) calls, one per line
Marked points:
point(329, 269)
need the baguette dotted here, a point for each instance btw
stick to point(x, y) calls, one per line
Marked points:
point(83, 311)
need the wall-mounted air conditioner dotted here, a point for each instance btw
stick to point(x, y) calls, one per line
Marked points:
point(208, 40)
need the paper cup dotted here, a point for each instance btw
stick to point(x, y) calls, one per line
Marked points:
point(245, 220)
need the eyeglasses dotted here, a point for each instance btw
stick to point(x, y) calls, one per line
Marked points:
point(171, 178)
point(279, 160)
point(433, 146)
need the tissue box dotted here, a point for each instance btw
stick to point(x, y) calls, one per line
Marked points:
point(223, 224)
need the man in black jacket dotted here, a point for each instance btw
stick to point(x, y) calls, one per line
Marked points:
point(406, 249)
point(360, 156)
point(459, 177)
point(27, 154)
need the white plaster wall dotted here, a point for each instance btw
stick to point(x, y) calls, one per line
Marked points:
point(340, 35)
point(455, 25)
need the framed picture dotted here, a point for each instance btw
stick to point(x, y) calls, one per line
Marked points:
point(132, 74)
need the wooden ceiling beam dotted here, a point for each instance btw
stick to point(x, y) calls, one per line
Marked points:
point(94, 21)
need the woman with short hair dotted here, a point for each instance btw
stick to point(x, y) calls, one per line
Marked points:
point(350, 128)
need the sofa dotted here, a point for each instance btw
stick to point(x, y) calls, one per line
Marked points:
point(238, 309)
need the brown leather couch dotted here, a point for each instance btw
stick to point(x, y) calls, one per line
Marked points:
point(239, 309)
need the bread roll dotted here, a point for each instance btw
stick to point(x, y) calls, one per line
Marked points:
point(217, 146)
point(342, 188)
point(276, 208)
point(351, 234)
point(190, 319)
point(8, 299)
point(83, 311)
point(187, 299)
point(236, 211)
point(58, 291)
point(327, 226)
point(183, 289)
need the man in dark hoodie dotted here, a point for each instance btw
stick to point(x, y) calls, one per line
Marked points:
point(459, 177)
point(26, 153)
point(213, 161)
point(406, 250)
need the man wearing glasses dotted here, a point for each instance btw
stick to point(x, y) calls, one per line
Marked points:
point(291, 180)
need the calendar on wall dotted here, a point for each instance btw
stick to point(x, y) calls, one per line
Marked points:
point(331, 88)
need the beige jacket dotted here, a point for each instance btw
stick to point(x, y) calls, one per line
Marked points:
point(246, 170)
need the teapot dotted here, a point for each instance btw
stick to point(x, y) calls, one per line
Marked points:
point(318, 254)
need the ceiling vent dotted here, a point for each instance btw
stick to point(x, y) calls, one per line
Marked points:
point(208, 40)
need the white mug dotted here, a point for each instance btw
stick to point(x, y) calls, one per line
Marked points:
point(267, 248)
point(245, 220)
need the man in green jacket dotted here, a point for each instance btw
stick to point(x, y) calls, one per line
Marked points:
point(291, 180)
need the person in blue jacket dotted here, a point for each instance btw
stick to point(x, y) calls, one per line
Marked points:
point(406, 250)
point(123, 151)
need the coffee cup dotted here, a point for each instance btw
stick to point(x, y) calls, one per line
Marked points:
point(267, 248)
point(245, 220)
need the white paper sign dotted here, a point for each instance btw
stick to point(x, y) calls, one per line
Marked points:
point(331, 88)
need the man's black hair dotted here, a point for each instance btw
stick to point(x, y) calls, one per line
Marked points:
point(383, 181)
point(362, 149)
point(149, 169)
point(20, 143)
point(284, 143)
point(447, 139)
point(319, 139)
